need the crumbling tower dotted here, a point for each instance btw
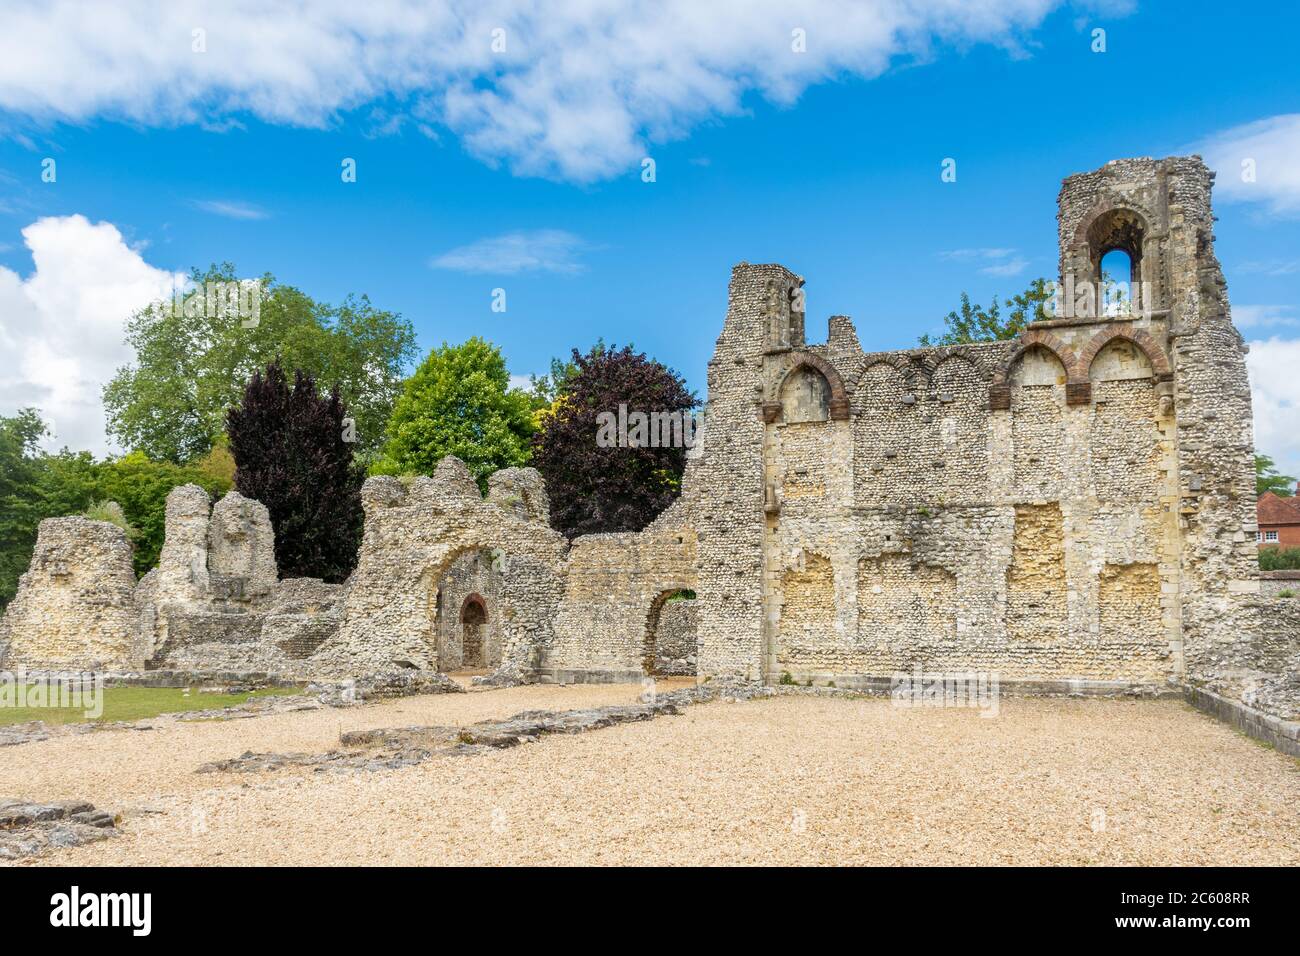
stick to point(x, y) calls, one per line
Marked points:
point(1159, 213)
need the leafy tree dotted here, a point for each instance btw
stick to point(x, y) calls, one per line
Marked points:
point(20, 510)
point(1279, 559)
point(35, 485)
point(1267, 478)
point(291, 454)
point(547, 391)
point(190, 369)
point(604, 489)
point(974, 323)
point(140, 486)
point(458, 402)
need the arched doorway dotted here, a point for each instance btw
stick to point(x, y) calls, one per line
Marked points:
point(473, 630)
point(669, 646)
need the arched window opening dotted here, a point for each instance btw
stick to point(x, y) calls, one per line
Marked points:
point(806, 396)
point(1117, 277)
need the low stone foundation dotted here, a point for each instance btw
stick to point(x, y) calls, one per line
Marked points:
point(1284, 735)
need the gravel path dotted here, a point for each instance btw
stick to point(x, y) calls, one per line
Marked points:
point(784, 780)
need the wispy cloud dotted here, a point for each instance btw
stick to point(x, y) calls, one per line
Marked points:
point(541, 250)
point(1264, 316)
point(1256, 162)
point(231, 209)
point(1011, 267)
point(1000, 262)
point(574, 91)
point(1270, 267)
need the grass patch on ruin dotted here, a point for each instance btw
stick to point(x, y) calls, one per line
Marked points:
point(138, 703)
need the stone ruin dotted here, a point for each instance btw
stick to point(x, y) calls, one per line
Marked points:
point(1072, 509)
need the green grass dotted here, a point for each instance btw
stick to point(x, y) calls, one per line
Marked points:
point(138, 703)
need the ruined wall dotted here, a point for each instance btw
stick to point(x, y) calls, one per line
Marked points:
point(473, 579)
point(1072, 504)
point(203, 607)
point(616, 587)
point(1012, 506)
point(414, 533)
point(676, 638)
point(73, 609)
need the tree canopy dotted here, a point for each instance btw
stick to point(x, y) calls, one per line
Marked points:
point(975, 323)
point(1267, 478)
point(292, 454)
point(458, 402)
point(613, 488)
point(190, 366)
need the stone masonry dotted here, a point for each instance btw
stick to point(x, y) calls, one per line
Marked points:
point(1070, 508)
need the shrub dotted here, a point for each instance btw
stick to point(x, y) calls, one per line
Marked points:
point(1279, 559)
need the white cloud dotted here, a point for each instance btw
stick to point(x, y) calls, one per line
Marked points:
point(62, 327)
point(231, 209)
point(1264, 316)
point(1275, 393)
point(1270, 267)
point(578, 92)
point(521, 382)
point(1002, 262)
point(1271, 146)
point(541, 250)
point(1011, 267)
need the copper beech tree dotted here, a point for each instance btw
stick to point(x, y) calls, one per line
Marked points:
point(292, 454)
point(622, 482)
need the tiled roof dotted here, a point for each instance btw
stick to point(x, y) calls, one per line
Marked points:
point(1272, 510)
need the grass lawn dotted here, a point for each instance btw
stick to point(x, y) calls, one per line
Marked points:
point(136, 703)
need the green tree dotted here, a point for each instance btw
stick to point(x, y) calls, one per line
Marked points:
point(35, 485)
point(141, 486)
point(190, 368)
point(1268, 479)
point(458, 402)
point(975, 323)
point(20, 511)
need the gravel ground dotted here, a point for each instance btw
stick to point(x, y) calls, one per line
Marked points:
point(783, 780)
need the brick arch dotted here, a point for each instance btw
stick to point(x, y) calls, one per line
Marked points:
point(1000, 390)
point(1143, 339)
point(1039, 338)
point(839, 404)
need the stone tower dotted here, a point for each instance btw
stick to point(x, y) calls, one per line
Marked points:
point(1159, 212)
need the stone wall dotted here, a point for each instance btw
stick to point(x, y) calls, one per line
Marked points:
point(1276, 583)
point(1075, 504)
point(471, 585)
point(616, 587)
point(414, 534)
point(73, 609)
point(676, 638)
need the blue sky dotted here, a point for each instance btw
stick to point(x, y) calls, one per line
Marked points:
point(524, 172)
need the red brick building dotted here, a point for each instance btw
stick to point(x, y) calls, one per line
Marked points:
point(1279, 520)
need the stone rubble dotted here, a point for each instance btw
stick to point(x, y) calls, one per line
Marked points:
point(29, 828)
point(387, 749)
